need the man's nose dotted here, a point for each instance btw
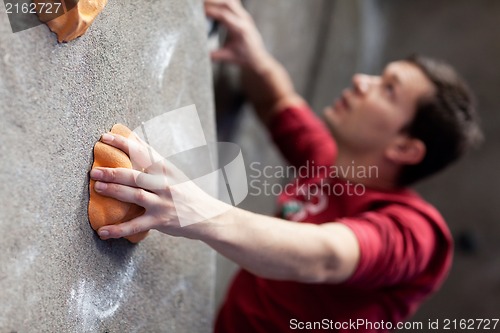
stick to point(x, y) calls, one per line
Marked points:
point(361, 83)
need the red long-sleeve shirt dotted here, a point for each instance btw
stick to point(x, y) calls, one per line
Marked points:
point(405, 247)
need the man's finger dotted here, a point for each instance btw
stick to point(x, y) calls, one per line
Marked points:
point(125, 193)
point(132, 227)
point(224, 55)
point(116, 141)
point(130, 177)
point(226, 16)
point(141, 155)
point(234, 6)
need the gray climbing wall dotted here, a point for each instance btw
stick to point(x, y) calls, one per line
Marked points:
point(138, 60)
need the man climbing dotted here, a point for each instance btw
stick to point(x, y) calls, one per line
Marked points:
point(361, 262)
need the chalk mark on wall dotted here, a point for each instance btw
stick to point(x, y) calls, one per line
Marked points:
point(91, 302)
point(166, 48)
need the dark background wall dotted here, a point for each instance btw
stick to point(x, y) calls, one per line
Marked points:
point(323, 42)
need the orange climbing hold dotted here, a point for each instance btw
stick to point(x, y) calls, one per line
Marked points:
point(104, 210)
point(74, 22)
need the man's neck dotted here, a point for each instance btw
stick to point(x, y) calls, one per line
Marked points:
point(367, 170)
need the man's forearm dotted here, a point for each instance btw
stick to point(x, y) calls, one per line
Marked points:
point(269, 87)
point(278, 249)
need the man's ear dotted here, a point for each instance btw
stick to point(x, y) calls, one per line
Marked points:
point(406, 151)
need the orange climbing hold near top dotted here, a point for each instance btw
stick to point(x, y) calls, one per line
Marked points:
point(104, 210)
point(74, 22)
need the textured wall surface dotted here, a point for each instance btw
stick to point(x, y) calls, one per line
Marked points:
point(138, 60)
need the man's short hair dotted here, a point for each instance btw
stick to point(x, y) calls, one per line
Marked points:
point(446, 122)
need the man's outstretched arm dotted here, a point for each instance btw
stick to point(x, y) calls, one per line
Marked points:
point(265, 81)
point(266, 246)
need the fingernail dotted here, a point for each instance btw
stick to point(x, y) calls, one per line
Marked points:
point(107, 137)
point(96, 174)
point(100, 186)
point(103, 233)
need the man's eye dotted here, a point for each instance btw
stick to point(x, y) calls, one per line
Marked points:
point(389, 87)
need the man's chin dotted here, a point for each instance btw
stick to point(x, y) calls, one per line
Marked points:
point(328, 110)
point(329, 121)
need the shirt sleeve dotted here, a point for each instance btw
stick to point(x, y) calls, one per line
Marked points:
point(397, 244)
point(302, 137)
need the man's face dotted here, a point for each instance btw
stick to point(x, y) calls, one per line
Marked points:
point(369, 116)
